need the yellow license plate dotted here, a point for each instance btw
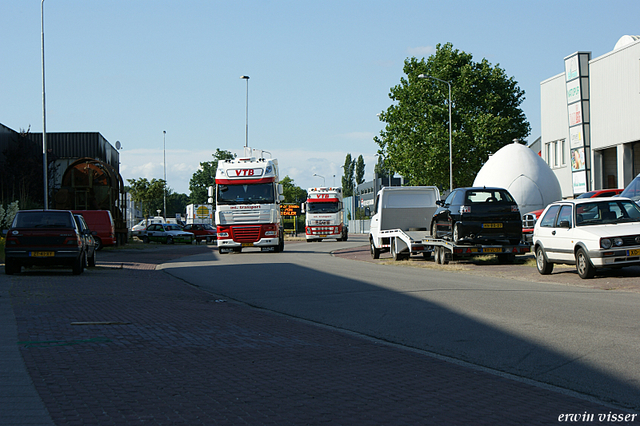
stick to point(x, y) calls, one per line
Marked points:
point(322, 236)
point(42, 254)
point(492, 225)
point(635, 252)
point(492, 250)
point(247, 244)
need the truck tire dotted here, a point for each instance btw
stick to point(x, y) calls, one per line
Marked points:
point(375, 253)
point(397, 256)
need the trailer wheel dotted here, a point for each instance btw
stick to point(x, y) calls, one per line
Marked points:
point(437, 255)
point(375, 253)
point(443, 256)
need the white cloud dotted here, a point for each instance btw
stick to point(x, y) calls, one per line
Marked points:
point(421, 51)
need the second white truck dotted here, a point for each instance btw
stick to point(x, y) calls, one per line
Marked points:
point(324, 215)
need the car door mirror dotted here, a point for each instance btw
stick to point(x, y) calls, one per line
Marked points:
point(565, 224)
point(439, 203)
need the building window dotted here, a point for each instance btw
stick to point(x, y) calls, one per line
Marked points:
point(563, 151)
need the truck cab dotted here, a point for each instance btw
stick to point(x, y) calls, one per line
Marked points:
point(248, 196)
point(324, 215)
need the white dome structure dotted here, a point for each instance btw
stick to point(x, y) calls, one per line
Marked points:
point(524, 174)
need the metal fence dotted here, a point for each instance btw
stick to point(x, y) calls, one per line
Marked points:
point(359, 226)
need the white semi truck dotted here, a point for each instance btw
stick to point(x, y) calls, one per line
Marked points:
point(324, 215)
point(248, 196)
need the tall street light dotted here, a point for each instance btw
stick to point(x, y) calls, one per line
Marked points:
point(450, 152)
point(44, 119)
point(246, 137)
point(164, 162)
point(323, 182)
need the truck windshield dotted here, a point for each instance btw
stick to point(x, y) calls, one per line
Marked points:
point(259, 193)
point(331, 207)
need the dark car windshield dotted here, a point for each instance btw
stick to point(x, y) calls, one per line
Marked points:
point(43, 219)
point(599, 213)
point(246, 194)
point(329, 207)
point(488, 196)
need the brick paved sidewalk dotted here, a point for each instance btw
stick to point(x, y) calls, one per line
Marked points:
point(124, 344)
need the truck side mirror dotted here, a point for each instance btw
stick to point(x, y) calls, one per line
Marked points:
point(280, 189)
point(340, 206)
point(302, 207)
point(280, 197)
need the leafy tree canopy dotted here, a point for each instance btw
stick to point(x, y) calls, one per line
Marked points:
point(292, 193)
point(486, 116)
point(205, 177)
point(150, 195)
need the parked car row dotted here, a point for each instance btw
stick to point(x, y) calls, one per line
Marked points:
point(156, 229)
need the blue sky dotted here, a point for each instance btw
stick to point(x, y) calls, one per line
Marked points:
point(319, 71)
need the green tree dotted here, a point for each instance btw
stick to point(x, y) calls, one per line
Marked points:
point(360, 170)
point(380, 168)
point(176, 203)
point(486, 115)
point(149, 194)
point(347, 176)
point(293, 194)
point(205, 177)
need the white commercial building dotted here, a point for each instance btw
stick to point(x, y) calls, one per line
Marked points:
point(590, 119)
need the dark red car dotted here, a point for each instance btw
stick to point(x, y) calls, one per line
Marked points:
point(44, 238)
point(202, 232)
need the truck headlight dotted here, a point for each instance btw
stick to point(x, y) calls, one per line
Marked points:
point(223, 234)
point(270, 233)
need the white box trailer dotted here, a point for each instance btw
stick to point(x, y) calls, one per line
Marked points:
point(401, 220)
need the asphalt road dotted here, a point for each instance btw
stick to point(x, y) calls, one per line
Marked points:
point(577, 338)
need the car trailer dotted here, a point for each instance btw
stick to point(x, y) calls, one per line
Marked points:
point(403, 244)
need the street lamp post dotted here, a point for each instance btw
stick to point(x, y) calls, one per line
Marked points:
point(323, 181)
point(246, 136)
point(164, 155)
point(450, 151)
point(44, 119)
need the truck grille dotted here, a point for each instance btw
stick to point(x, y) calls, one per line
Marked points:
point(246, 234)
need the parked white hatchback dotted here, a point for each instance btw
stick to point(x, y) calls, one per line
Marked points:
point(590, 233)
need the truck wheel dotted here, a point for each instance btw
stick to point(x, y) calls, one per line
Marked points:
point(345, 237)
point(397, 256)
point(375, 253)
point(544, 266)
point(443, 256)
point(583, 265)
point(438, 255)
